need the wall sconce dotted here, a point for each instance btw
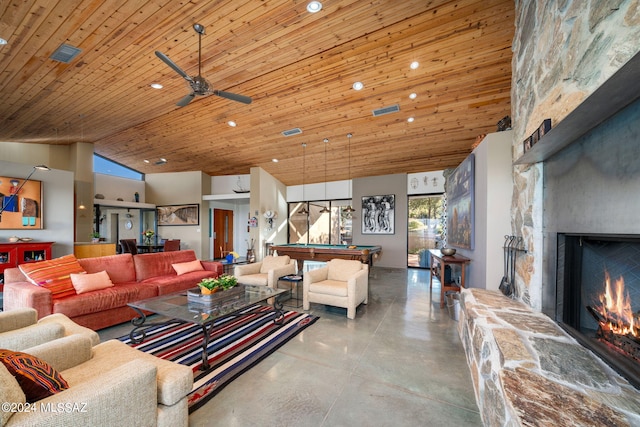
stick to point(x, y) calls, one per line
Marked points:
point(270, 216)
point(14, 194)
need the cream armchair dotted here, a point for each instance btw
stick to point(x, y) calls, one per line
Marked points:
point(109, 384)
point(341, 283)
point(20, 329)
point(267, 271)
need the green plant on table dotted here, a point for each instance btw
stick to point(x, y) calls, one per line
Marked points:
point(220, 283)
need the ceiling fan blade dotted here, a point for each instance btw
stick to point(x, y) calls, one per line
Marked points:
point(170, 63)
point(233, 96)
point(187, 99)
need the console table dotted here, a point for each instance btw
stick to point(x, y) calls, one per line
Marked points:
point(12, 254)
point(437, 259)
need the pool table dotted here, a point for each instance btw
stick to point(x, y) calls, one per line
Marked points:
point(317, 252)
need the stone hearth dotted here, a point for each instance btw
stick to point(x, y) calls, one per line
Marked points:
point(527, 371)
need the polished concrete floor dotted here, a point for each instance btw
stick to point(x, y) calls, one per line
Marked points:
point(399, 363)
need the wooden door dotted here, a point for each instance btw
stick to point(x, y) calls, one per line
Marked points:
point(223, 229)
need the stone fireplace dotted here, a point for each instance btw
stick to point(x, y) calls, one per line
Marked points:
point(598, 297)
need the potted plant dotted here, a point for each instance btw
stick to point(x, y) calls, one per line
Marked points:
point(212, 285)
point(95, 237)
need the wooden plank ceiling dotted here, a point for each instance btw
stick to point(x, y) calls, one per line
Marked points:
point(297, 67)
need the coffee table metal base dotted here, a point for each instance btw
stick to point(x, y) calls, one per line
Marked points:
point(139, 333)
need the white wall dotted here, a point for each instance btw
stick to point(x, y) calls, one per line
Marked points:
point(267, 193)
point(394, 246)
point(57, 206)
point(493, 192)
point(182, 188)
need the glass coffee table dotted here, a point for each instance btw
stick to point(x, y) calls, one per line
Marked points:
point(193, 307)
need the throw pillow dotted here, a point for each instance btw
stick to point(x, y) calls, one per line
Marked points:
point(187, 267)
point(36, 377)
point(53, 274)
point(87, 282)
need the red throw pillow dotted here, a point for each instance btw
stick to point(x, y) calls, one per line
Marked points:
point(36, 377)
point(53, 274)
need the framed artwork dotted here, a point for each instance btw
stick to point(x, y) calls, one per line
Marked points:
point(460, 205)
point(378, 214)
point(22, 206)
point(178, 214)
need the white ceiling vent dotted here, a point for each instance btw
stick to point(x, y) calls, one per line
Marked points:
point(386, 110)
point(65, 53)
point(290, 132)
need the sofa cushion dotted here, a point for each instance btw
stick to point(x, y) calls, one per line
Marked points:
point(168, 284)
point(120, 267)
point(336, 288)
point(187, 267)
point(87, 282)
point(36, 377)
point(160, 263)
point(254, 279)
point(271, 262)
point(10, 392)
point(103, 299)
point(53, 274)
point(343, 269)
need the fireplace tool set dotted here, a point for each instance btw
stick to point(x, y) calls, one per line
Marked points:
point(512, 245)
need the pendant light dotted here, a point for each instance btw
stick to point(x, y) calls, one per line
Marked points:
point(349, 210)
point(304, 210)
point(325, 209)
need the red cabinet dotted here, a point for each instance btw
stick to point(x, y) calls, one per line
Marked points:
point(12, 254)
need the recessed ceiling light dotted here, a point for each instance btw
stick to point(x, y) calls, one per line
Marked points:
point(358, 85)
point(414, 65)
point(410, 119)
point(146, 161)
point(274, 160)
point(3, 41)
point(413, 95)
point(232, 123)
point(314, 7)
point(156, 85)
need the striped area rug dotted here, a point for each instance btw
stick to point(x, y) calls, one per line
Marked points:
point(235, 345)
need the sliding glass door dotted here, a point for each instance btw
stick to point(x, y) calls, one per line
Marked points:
point(424, 229)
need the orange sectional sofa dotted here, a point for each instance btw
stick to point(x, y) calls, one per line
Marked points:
point(134, 277)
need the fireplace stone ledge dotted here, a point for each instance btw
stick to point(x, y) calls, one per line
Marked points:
point(527, 371)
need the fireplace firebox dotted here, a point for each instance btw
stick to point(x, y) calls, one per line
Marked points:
point(598, 297)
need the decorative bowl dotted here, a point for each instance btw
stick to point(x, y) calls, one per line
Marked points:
point(448, 251)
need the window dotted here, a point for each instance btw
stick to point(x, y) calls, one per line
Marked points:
point(319, 227)
point(109, 167)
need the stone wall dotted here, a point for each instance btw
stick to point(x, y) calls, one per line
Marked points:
point(563, 51)
point(528, 371)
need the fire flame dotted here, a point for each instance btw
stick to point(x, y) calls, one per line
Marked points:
point(616, 307)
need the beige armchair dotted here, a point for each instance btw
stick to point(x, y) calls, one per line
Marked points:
point(20, 329)
point(267, 271)
point(341, 283)
point(109, 384)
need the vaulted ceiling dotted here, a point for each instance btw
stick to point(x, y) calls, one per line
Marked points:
point(298, 68)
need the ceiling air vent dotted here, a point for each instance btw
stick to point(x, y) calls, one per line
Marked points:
point(290, 132)
point(386, 110)
point(65, 53)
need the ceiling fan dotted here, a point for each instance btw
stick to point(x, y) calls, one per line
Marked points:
point(199, 85)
